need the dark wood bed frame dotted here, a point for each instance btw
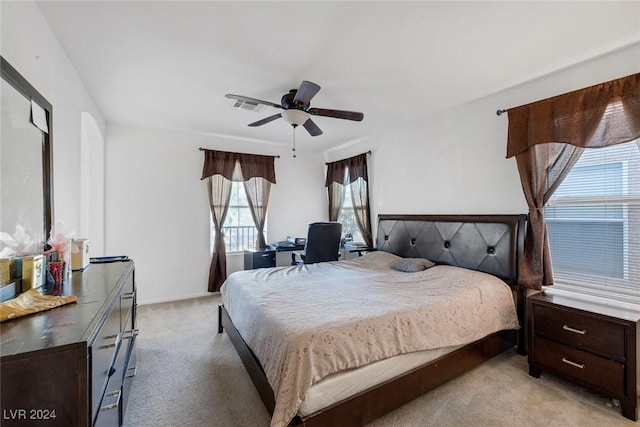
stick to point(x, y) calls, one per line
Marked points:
point(489, 243)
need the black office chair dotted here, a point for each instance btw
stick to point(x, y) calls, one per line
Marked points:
point(323, 244)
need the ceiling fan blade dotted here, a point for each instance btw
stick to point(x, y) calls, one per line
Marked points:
point(265, 120)
point(338, 114)
point(306, 91)
point(312, 128)
point(252, 100)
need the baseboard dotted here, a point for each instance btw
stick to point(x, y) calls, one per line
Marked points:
point(177, 298)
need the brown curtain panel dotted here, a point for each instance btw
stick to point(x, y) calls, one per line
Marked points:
point(258, 190)
point(336, 200)
point(219, 189)
point(542, 168)
point(360, 199)
point(352, 172)
point(221, 168)
point(547, 137)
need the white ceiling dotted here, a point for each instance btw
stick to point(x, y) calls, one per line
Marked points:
point(168, 65)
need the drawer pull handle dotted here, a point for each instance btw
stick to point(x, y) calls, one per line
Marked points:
point(131, 372)
point(569, 362)
point(107, 346)
point(128, 295)
point(577, 331)
point(113, 405)
point(115, 338)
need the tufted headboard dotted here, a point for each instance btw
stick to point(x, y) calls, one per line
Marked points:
point(489, 243)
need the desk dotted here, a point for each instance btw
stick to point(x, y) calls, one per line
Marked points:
point(283, 258)
point(356, 249)
point(286, 248)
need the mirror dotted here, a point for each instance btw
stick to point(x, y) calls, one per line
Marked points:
point(25, 157)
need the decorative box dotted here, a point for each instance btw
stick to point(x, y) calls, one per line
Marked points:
point(7, 270)
point(33, 272)
point(79, 254)
point(9, 290)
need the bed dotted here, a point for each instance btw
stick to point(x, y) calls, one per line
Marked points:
point(345, 342)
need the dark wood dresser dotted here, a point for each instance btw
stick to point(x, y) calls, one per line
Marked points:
point(73, 365)
point(590, 341)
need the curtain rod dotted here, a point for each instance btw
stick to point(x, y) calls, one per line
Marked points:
point(368, 152)
point(205, 149)
point(500, 112)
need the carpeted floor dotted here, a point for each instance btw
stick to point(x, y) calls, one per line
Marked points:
point(189, 375)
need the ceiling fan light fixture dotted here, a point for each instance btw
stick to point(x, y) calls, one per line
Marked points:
point(295, 117)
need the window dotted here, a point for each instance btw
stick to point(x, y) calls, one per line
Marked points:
point(593, 222)
point(347, 217)
point(239, 229)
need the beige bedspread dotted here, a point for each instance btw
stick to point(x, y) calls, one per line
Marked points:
point(306, 322)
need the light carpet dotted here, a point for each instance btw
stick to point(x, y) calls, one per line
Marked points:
point(189, 375)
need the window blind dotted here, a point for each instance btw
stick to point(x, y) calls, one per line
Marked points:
point(593, 221)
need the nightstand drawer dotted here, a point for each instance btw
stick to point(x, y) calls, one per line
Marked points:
point(259, 258)
point(606, 374)
point(574, 328)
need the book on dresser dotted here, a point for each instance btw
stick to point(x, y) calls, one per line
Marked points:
point(73, 365)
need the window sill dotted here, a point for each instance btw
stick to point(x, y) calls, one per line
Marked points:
point(232, 253)
point(618, 295)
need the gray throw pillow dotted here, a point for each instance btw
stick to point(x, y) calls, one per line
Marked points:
point(412, 265)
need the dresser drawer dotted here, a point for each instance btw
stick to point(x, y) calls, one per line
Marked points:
point(130, 373)
point(103, 353)
point(604, 373)
point(574, 328)
point(127, 300)
point(109, 413)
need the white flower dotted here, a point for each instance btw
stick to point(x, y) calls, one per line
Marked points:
point(17, 245)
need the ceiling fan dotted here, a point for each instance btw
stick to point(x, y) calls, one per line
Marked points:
point(296, 106)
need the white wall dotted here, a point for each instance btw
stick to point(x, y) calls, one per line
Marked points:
point(28, 44)
point(454, 162)
point(92, 185)
point(158, 212)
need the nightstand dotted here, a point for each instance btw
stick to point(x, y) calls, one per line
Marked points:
point(591, 341)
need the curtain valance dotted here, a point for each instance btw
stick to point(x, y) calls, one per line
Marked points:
point(249, 166)
point(597, 116)
point(347, 171)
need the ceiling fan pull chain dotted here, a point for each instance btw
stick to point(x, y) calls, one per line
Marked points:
point(294, 141)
